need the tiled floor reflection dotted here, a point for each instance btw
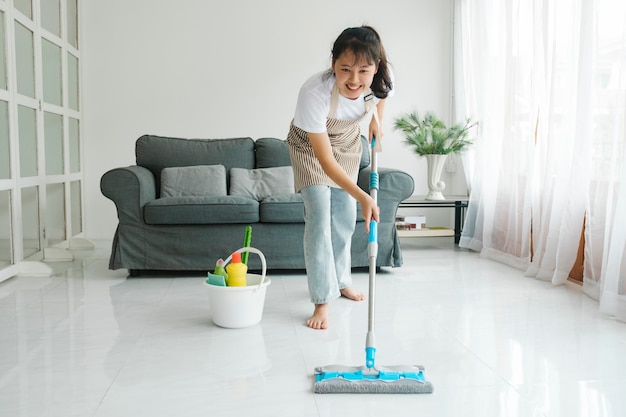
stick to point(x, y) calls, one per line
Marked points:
point(90, 342)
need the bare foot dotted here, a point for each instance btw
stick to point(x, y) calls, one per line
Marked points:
point(352, 294)
point(319, 319)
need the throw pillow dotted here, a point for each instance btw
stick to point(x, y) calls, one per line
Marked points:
point(198, 180)
point(261, 183)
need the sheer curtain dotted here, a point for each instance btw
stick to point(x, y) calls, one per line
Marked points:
point(605, 256)
point(546, 80)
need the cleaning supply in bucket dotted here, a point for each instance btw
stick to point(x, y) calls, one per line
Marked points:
point(213, 279)
point(236, 271)
point(246, 244)
point(219, 276)
point(219, 270)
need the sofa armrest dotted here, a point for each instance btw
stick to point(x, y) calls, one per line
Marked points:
point(394, 186)
point(130, 188)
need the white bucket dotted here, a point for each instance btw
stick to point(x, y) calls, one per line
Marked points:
point(237, 307)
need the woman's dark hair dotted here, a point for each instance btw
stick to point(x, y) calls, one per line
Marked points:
point(364, 42)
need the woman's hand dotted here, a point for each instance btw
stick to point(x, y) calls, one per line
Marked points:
point(375, 130)
point(369, 210)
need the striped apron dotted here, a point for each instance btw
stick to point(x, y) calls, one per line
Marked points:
point(345, 140)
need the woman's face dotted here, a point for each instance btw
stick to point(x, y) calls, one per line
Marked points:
point(353, 77)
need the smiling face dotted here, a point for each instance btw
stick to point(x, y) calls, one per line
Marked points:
point(353, 76)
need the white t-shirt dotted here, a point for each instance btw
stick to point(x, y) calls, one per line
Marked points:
point(314, 104)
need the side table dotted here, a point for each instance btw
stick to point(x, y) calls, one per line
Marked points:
point(458, 202)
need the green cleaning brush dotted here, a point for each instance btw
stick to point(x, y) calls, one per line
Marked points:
point(246, 244)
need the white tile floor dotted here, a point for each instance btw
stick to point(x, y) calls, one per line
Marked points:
point(91, 342)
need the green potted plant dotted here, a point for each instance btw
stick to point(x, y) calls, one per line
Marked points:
point(431, 137)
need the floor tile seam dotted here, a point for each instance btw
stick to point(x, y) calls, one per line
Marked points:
point(121, 369)
point(109, 387)
point(474, 354)
point(523, 396)
point(155, 312)
point(501, 378)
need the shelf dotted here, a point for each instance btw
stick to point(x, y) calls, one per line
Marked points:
point(458, 202)
point(426, 232)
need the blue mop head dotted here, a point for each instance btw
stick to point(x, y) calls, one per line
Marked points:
point(404, 379)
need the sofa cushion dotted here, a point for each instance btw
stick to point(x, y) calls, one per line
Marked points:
point(261, 183)
point(271, 152)
point(158, 152)
point(285, 208)
point(199, 180)
point(201, 210)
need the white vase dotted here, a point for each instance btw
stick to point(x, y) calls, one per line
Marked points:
point(435, 185)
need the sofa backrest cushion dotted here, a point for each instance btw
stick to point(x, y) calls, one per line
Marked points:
point(261, 183)
point(272, 152)
point(196, 180)
point(158, 152)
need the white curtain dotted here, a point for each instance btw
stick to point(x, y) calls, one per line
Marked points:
point(546, 79)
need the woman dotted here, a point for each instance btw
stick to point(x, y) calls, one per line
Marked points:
point(325, 149)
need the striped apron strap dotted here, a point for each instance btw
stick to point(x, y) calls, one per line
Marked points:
point(370, 106)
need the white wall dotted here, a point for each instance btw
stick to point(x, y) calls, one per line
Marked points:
point(216, 69)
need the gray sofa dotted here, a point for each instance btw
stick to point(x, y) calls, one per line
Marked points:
point(172, 218)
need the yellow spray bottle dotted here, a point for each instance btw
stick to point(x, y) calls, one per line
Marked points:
point(236, 271)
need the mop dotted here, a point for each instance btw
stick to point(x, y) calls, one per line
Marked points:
point(369, 379)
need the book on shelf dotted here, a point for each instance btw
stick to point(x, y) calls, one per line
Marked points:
point(411, 222)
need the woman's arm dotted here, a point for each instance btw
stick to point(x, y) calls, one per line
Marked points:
point(320, 142)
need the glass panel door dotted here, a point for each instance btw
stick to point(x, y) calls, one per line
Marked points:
point(53, 134)
point(5, 162)
point(55, 213)
point(24, 6)
point(6, 239)
point(52, 79)
point(74, 135)
point(27, 132)
point(76, 202)
point(51, 16)
point(25, 60)
point(72, 82)
point(72, 22)
point(3, 53)
point(40, 141)
point(30, 221)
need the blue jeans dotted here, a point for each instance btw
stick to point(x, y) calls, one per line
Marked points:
point(329, 216)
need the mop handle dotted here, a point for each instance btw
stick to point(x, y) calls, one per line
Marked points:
point(373, 235)
point(372, 250)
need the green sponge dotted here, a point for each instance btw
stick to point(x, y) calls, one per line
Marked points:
point(213, 279)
